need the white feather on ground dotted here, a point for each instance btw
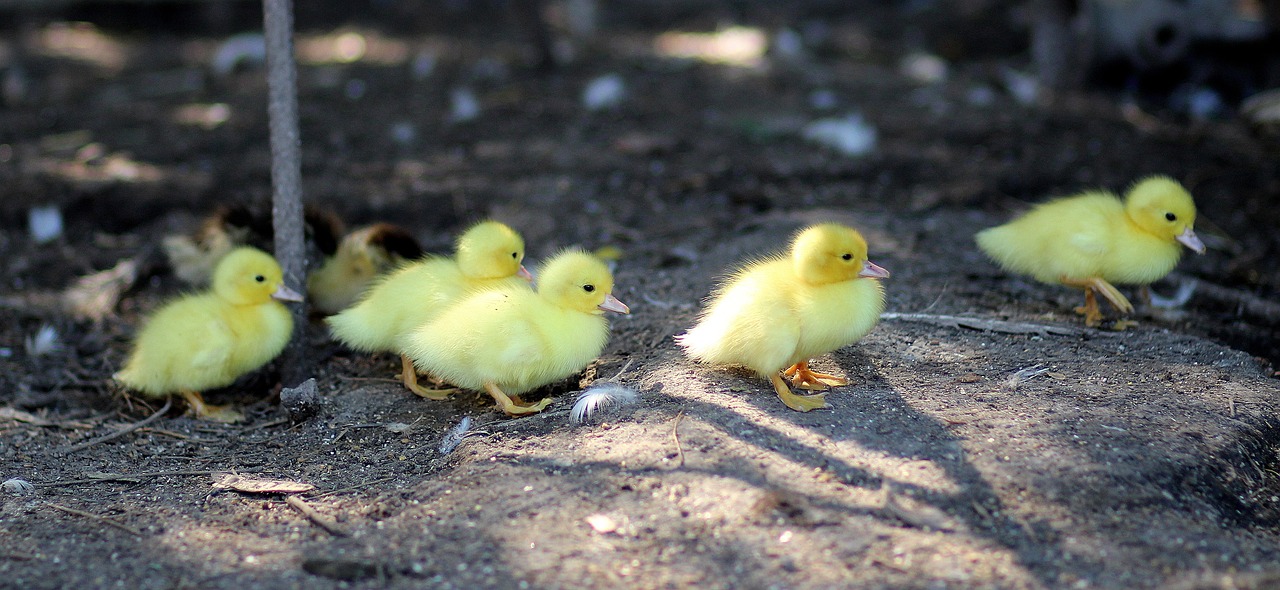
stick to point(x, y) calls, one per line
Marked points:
point(453, 438)
point(601, 398)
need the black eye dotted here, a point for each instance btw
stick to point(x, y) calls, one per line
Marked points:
point(847, 256)
point(260, 278)
point(588, 288)
point(515, 255)
point(1170, 217)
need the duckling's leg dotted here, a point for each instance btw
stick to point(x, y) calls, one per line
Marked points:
point(510, 407)
point(196, 405)
point(803, 378)
point(410, 377)
point(1092, 315)
point(799, 403)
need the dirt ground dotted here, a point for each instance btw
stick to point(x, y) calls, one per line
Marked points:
point(987, 440)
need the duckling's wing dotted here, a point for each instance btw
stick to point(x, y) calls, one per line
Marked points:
point(214, 346)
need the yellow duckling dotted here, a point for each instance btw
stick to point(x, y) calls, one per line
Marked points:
point(1092, 240)
point(208, 340)
point(775, 314)
point(361, 256)
point(488, 256)
point(509, 341)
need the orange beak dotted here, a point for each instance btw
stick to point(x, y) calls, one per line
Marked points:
point(1189, 239)
point(284, 293)
point(524, 274)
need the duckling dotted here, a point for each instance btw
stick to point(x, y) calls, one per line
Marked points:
point(193, 257)
point(773, 315)
point(1092, 240)
point(210, 339)
point(361, 256)
point(512, 340)
point(488, 255)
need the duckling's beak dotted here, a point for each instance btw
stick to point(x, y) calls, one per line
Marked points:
point(524, 274)
point(872, 270)
point(284, 293)
point(1189, 239)
point(611, 303)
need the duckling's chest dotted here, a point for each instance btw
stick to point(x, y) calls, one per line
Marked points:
point(260, 332)
point(835, 315)
point(1140, 259)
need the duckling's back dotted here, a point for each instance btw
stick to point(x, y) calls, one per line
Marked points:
point(1066, 237)
point(404, 298)
point(510, 336)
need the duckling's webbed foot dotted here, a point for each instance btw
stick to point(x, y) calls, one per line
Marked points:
point(1093, 315)
point(510, 407)
point(409, 376)
point(205, 411)
point(799, 403)
point(803, 378)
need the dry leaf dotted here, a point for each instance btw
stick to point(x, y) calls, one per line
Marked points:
point(231, 481)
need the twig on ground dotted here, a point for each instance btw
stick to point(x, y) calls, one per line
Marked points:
point(1246, 304)
point(315, 517)
point(999, 326)
point(353, 488)
point(102, 519)
point(134, 477)
point(675, 436)
point(119, 433)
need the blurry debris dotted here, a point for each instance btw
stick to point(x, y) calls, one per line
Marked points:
point(1022, 87)
point(403, 133)
point(43, 342)
point(463, 105)
point(347, 570)
point(16, 486)
point(604, 92)
point(80, 446)
point(1245, 304)
point(850, 135)
point(1024, 375)
point(916, 513)
point(925, 68)
point(823, 99)
point(980, 96)
point(423, 64)
point(602, 523)
point(1197, 101)
point(15, 86)
point(788, 45)
point(45, 223)
point(735, 46)
point(354, 89)
point(66, 142)
point(489, 69)
point(95, 296)
point(1185, 290)
point(240, 483)
point(181, 81)
point(455, 435)
point(601, 397)
point(1262, 111)
point(301, 402)
point(640, 143)
point(245, 48)
point(16, 415)
point(207, 116)
point(397, 427)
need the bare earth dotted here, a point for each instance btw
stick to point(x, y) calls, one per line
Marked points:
point(988, 438)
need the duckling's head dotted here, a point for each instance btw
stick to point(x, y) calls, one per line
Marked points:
point(248, 276)
point(491, 250)
point(1161, 207)
point(576, 280)
point(831, 253)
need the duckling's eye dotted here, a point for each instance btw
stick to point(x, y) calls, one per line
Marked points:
point(1170, 217)
point(260, 278)
point(847, 256)
point(515, 255)
point(588, 288)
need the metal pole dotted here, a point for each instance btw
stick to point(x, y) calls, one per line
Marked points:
point(286, 169)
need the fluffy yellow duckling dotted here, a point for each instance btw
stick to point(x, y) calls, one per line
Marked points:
point(361, 256)
point(488, 255)
point(208, 340)
point(1092, 240)
point(509, 341)
point(775, 314)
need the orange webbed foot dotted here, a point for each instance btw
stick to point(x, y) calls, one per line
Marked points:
point(206, 411)
point(803, 378)
point(409, 375)
point(799, 403)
